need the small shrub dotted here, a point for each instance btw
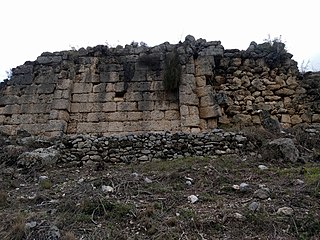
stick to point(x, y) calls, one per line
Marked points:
point(172, 74)
point(46, 184)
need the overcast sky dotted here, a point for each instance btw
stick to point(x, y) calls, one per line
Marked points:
point(30, 27)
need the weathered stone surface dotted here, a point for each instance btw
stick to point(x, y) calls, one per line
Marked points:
point(283, 149)
point(38, 158)
point(210, 112)
point(96, 85)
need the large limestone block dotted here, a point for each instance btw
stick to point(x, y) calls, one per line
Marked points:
point(146, 106)
point(189, 99)
point(172, 115)
point(64, 84)
point(127, 106)
point(84, 97)
point(210, 112)
point(316, 118)
point(204, 65)
point(35, 108)
point(11, 109)
point(108, 107)
point(133, 96)
point(61, 104)
point(101, 87)
point(134, 116)
point(190, 121)
point(101, 97)
point(82, 87)
point(81, 107)
point(117, 116)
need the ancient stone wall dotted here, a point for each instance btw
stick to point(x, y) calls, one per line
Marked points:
point(192, 86)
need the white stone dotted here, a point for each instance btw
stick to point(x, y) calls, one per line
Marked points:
point(193, 198)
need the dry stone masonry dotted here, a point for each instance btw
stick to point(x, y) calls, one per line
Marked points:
point(188, 87)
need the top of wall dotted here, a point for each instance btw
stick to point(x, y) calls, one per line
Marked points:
point(274, 54)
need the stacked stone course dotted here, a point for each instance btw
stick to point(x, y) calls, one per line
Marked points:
point(107, 91)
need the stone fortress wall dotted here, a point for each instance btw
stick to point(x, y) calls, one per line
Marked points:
point(107, 91)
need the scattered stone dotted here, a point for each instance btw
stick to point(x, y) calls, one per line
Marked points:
point(147, 180)
point(238, 216)
point(298, 182)
point(189, 183)
point(193, 198)
point(143, 158)
point(107, 189)
point(288, 211)
point(244, 187)
point(254, 206)
point(40, 157)
point(236, 187)
point(263, 167)
point(262, 193)
point(283, 149)
point(30, 225)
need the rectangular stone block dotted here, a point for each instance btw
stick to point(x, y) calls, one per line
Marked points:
point(115, 127)
point(8, 129)
point(82, 88)
point(190, 121)
point(101, 97)
point(206, 101)
point(166, 105)
point(171, 115)
point(109, 107)
point(316, 118)
point(150, 96)
point(146, 106)
point(157, 115)
point(109, 77)
point(35, 108)
point(126, 106)
point(157, 86)
point(133, 96)
point(210, 112)
point(62, 94)
point(80, 97)
point(11, 109)
point(134, 116)
point(96, 117)
point(46, 88)
point(64, 84)
point(189, 99)
point(117, 116)
point(81, 107)
point(110, 87)
point(61, 104)
point(101, 87)
point(86, 127)
point(6, 100)
point(141, 86)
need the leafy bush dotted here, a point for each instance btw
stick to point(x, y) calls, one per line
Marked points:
point(172, 74)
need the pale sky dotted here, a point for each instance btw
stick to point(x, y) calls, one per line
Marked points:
point(30, 27)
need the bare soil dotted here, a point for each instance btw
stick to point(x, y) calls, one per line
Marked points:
point(150, 200)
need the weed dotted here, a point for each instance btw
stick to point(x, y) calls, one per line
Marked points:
point(46, 184)
point(172, 74)
point(17, 229)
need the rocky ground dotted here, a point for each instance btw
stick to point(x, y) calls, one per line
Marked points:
point(254, 194)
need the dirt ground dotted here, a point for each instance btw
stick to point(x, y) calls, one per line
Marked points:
point(216, 197)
